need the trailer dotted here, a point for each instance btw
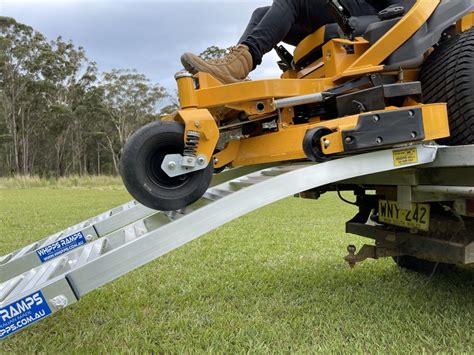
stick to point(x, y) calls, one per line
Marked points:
point(422, 217)
point(416, 201)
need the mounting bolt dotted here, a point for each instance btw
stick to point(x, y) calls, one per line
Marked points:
point(171, 165)
point(216, 161)
point(197, 124)
point(201, 161)
point(89, 238)
point(327, 143)
point(349, 140)
point(379, 140)
point(414, 134)
point(411, 113)
point(190, 160)
point(376, 118)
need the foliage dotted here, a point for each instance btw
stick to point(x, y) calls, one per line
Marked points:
point(57, 117)
point(130, 101)
point(101, 182)
point(214, 52)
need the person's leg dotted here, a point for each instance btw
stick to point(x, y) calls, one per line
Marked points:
point(260, 38)
point(257, 16)
point(291, 21)
point(296, 34)
point(312, 15)
point(272, 28)
point(285, 19)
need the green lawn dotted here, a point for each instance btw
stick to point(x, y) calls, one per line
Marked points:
point(273, 281)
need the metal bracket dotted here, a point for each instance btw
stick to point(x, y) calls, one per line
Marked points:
point(385, 128)
point(176, 164)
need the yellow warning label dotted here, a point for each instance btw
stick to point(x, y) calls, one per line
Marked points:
point(405, 157)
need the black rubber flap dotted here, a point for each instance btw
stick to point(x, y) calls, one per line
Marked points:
point(384, 129)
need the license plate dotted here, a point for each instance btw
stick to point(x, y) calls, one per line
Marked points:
point(418, 217)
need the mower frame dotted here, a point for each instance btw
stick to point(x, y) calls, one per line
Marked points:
point(205, 101)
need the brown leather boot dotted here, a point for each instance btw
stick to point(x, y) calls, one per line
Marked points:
point(232, 68)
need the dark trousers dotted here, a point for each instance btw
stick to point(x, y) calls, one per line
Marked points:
point(291, 21)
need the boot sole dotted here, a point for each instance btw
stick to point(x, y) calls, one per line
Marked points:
point(189, 66)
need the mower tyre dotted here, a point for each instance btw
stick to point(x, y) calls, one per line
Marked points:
point(143, 177)
point(448, 76)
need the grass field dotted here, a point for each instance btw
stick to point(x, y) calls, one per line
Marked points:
point(272, 281)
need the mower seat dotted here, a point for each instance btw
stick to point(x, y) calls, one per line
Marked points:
point(311, 48)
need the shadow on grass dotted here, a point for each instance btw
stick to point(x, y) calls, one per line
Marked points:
point(388, 288)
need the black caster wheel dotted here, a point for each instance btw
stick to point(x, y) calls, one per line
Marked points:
point(312, 144)
point(143, 177)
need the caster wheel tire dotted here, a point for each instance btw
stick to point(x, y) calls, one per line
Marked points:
point(143, 177)
point(312, 144)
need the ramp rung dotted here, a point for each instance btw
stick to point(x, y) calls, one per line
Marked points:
point(276, 172)
point(5, 259)
point(220, 192)
point(238, 185)
point(8, 287)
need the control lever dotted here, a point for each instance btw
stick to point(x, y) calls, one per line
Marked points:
point(343, 17)
point(286, 59)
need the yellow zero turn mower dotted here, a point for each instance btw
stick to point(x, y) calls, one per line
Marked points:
point(362, 83)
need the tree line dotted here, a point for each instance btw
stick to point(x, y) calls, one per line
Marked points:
point(60, 116)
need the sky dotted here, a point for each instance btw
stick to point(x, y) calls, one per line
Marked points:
point(146, 35)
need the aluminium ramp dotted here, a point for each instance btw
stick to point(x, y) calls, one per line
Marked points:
point(32, 296)
point(74, 237)
point(120, 230)
point(78, 236)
